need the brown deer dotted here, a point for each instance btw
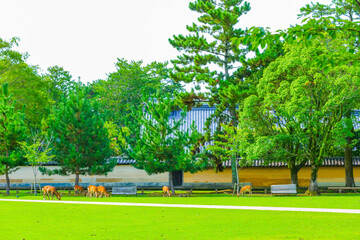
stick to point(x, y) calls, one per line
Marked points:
point(78, 189)
point(92, 191)
point(49, 190)
point(102, 191)
point(244, 190)
point(166, 190)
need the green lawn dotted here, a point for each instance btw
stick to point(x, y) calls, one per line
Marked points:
point(67, 221)
point(71, 221)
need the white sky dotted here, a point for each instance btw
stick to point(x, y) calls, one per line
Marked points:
point(86, 37)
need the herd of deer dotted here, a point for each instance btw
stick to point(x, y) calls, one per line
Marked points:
point(100, 191)
point(92, 191)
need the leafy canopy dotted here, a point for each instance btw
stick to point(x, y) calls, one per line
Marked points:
point(82, 144)
point(25, 83)
point(163, 144)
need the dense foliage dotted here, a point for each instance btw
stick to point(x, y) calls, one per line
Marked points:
point(81, 142)
point(163, 144)
point(12, 131)
point(124, 89)
point(210, 57)
point(25, 83)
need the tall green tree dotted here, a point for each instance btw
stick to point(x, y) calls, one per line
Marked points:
point(306, 102)
point(340, 10)
point(81, 143)
point(251, 71)
point(276, 134)
point(162, 146)
point(12, 131)
point(210, 57)
point(341, 17)
point(25, 83)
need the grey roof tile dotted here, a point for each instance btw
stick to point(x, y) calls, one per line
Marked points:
point(328, 161)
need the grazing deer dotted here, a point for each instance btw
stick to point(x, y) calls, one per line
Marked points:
point(102, 191)
point(92, 191)
point(78, 189)
point(47, 190)
point(166, 190)
point(244, 190)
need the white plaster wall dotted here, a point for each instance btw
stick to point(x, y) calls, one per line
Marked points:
point(121, 173)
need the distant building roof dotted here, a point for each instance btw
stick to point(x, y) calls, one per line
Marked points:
point(328, 162)
point(199, 115)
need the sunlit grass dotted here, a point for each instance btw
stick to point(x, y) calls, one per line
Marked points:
point(22, 220)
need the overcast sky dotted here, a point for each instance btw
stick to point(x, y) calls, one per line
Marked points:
point(86, 37)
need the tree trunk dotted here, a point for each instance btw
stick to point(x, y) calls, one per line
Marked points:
point(233, 171)
point(171, 180)
point(237, 177)
point(7, 180)
point(234, 122)
point(313, 186)
point(7, 168)
point(349, 175)
point(294, 175)
point(35, 192)
point(294, 170)
point(77, 175)
point(34, 168)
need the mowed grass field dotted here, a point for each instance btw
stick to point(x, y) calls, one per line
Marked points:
point(26, 220)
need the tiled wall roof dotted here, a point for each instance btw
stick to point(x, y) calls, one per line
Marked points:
point(328, 161)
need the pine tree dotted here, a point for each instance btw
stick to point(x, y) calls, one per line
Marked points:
point(12, 131)
point(81, 143)
point(210, 44)
point(162, 146)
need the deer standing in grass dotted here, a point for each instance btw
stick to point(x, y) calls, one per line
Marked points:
point(166, 190)
point(92, 191)
point(78, 189)
point(49, 190)
point(102, 191)
point(244, 190)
